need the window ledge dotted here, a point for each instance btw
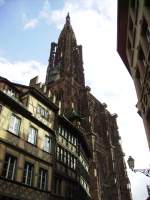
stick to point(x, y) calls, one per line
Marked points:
point(35, 145)
point(47, 152)
point(9, 131)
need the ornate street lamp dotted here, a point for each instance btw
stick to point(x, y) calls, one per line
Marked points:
point(130, 162)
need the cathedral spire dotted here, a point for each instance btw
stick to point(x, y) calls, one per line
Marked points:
point(68, 19)
point(65, 57)
point(65, 74)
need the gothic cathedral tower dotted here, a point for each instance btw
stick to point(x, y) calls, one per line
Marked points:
point(65, 74)
point(65, 80)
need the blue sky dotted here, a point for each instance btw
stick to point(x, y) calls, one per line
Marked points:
point(20, 43)
point(27, 28)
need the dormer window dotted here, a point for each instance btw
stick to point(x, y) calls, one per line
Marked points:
point(10, 92)
point(42, 111)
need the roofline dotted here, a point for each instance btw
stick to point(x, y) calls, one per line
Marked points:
point(9, 83)
point(33, 91)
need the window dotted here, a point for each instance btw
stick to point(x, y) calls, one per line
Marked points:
point(62, 131)
point(71, 162)
point(58, 153)
point(74, 163)
point(42, 111)
point(65, 157)
point(59, 129)
point(75, 141)
point(61, 154)
point(9, 167)
point(68, 159)
point(32, 135)
point(28, 174)
point(43, 179)
point(69, 137)
point(65, 133)
point(10, 93)
point(47, 144)
point(84, 184)
point(84, 162)
point(14, 125)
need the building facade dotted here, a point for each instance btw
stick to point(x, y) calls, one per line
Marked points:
point(57, 140)
point(27, 141)
point(133, 45)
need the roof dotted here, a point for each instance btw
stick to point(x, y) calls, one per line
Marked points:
point(122, 22)
point(32, 91)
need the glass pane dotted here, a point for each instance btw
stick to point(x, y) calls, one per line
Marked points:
point(28, 174)
point(9, 167)
point(38, 109)
point(43, 174)
point(11, 125)
point(17, 125)
point(47, 144)
point(58, 153)
point(32, 135)
point(14, 124)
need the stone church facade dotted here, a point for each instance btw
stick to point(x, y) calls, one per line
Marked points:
point(65, 80)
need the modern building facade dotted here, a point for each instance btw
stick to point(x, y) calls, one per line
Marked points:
point(133, 45)
point(57, 140)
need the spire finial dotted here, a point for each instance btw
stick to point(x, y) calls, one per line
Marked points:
point(68, 18)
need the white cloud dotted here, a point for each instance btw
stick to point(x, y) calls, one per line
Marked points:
point(45, 12)
point(21, 71)
point(29, 23)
